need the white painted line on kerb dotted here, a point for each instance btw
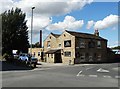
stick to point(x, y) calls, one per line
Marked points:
point(107, 76)
point(93, 76)
point(117, 76)
point(79, 73)
point(103, 70)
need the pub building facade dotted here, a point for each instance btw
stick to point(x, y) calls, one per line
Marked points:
point(75, 47)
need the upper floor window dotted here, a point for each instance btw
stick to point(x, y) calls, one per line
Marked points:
point(59, 45)
point(82, 44)
point(48, 44)
point(99, 44)
point(67, 43)
point(68, 54)
point(91, 44)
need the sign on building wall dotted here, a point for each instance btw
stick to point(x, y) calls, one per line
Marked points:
point(67, 43)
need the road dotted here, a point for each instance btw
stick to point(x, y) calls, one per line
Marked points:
point(93, 75)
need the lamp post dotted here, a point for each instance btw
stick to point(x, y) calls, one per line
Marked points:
point(31, 28)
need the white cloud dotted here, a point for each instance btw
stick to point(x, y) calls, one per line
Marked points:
point(106, 22)
point(45, 9)
point(68, 23)
point(90, 24)
point(6, 5)
point(52, 8)
point(39, 22)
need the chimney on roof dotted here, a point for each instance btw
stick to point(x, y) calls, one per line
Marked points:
point(40, 38)
point(96, 33)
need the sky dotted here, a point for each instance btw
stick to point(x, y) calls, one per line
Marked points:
point(75, 15)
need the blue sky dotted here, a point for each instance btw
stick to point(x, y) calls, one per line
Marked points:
point(96, 11)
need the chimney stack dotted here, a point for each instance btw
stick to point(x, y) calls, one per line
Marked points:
point(96, 33)
point(40, 38)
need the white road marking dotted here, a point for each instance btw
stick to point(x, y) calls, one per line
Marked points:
point(82, 75)
point(117, 76)
point(93, 76)
point(107, 76)
point(89, 68)
point(103, 70)
point(79, 73)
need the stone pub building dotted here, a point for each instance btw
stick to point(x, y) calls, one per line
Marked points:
point(75, 47)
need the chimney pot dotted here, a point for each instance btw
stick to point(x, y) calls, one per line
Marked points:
point(96, 32)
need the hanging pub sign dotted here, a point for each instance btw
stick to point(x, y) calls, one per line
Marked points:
point(67, 43)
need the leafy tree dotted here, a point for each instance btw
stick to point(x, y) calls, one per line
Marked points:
point(117, 47)
point(37, 45)
point(14, 31)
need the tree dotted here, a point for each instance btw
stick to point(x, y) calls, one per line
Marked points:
point(37, 45)
point(117, 47)
point(14, 31)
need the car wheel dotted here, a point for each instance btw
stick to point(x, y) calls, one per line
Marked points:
point(26, 62)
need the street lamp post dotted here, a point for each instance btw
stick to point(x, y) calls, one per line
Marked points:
point(31, 29)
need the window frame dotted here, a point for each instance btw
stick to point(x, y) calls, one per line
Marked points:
point(68, 55)
point(39, 53)
point(81, 43)
point(98, 44)
point(48, 44)
point(65, 41)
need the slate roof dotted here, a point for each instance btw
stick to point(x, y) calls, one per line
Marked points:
point(85, 35)
point(55, 35)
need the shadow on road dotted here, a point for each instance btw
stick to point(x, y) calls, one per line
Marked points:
point(6, 66)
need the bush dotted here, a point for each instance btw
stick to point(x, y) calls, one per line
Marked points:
point(8, 57)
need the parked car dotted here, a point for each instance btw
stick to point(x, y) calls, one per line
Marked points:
point(33, 61)
point(23, 57)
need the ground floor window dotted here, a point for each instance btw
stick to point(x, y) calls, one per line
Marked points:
point(67, 54)
point(82, 56)
point(90, 58)
point(99, 57)
point(34, 54)
point(38, 53)
point(51, 55)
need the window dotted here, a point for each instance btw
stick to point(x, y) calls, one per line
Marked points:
point(99, 57)
point(91, 44)
point(48, 44)
point(82, 44)
point(38, 53)
point(82, 56)
point(90, 58)
point(68, 54)
point(34, 54)
point(59, 45)
point(99, 44)
point(67, 43)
